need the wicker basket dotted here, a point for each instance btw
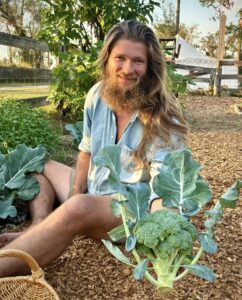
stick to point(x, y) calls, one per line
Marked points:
point(30, 287)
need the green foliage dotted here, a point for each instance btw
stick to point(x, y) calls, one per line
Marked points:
point(75, 130)
point(74, 23)
point(73, 78)
point(177, 82)
point(165, 238)
point(15, 183)
point(180, 185)
point(20, 124)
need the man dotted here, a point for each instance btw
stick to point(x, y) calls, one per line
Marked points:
point(129, 107)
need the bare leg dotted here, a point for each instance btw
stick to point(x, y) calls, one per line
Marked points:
point(42, 205)
point(82, 214)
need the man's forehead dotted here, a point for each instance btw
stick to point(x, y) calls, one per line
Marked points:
point(130, 47)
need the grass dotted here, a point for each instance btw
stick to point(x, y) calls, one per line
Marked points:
point(24, 93)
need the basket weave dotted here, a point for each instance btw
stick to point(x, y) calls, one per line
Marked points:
point(32, 287)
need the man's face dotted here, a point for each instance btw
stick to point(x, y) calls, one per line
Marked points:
point(127, 63)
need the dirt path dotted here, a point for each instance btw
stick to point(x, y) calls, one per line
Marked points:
point(87, 271)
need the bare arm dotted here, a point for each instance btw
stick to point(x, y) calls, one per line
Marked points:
point(82, 166)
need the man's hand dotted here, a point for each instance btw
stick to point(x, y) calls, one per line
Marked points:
point(157, 205)
point(82, 166)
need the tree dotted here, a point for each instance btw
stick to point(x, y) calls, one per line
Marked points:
point(218, 5)
point(21, 17)
point(209, 44)
point(78, 23)
point(178, 4)
point(165, 26)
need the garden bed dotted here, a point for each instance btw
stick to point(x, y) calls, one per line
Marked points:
point(88, 271)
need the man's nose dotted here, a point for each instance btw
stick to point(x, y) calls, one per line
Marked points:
point(128, 67)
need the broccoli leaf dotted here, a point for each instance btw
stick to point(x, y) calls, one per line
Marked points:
point(21, 161)
point(180, 185)
point(215, 214)
point(6, 207)
point(1, 159)
point(140, 269)
point(201, 271)
point(76, 130)
point(14, 181)
point(138, 200)
point(130, 243)
point(109, 157)
point(229, 198)
point(115, 207)
point(209, 245)
point(117, 253)
point(117, 234)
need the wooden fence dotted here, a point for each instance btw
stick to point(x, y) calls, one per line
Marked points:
point(15, 75)
point(216, 76)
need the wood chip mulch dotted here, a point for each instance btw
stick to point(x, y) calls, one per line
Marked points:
point(87, 271)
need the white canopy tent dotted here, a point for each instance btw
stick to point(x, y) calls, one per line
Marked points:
point(190, 56)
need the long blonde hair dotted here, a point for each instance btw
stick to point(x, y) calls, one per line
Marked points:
point(160, 113)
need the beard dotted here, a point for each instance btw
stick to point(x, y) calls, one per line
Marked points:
point(117, 99)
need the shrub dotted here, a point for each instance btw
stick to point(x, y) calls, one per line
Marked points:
point(74, 76)
point(20, 124)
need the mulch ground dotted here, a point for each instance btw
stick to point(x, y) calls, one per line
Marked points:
point(87, 271)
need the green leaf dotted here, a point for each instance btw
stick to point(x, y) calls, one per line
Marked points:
point(20, 161)
point(116, 208)
point(209, 245)
point(229, 198)
point(138, 198)
point(201, 271)
point(215, 214)
point(117, 234)
point(9, 211)
point(130, 243)
point(109, 157)
point(180, 185)
point(76, 130)
point(140, 269)
point(6, 207)
point(13, 179)
point(117, 253)
point(29, 189)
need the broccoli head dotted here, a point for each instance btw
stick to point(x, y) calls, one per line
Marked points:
point(166, 239)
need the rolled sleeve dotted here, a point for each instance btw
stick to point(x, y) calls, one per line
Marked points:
point(86, 142)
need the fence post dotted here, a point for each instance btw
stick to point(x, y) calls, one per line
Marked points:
point(218, 77)
point(211, 80)
point(220, 55)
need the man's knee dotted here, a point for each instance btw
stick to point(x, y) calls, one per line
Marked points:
point(79, 209)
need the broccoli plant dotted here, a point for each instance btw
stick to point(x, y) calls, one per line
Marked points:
point(16, 182)
point(162, 243)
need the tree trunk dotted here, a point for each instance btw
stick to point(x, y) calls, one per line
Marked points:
point(178, 4)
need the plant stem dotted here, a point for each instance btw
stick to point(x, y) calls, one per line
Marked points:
point(196, 258)
point(134, 252)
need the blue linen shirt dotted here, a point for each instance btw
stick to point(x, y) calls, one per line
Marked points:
point(99, 130)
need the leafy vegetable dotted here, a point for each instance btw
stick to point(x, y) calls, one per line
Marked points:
point(76, 130)
point(15, 182)
point(165, 238)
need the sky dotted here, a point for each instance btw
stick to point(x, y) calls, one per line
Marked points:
point(192, 12)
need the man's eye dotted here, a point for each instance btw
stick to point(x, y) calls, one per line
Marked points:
point(139, 61)
point(119, 58)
